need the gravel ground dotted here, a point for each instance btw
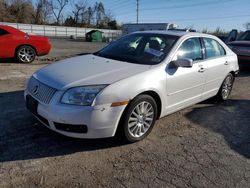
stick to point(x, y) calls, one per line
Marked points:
point(206, 145)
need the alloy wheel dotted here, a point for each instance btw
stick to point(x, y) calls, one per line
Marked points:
point(141, 119)
point(26, 54)
point(227, 87)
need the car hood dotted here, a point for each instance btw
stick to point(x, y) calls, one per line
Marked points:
point(86, 70)
point(240, 43)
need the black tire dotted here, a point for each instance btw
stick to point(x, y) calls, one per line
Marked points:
point(26, 54)
point(142, 129)
point(226, 88)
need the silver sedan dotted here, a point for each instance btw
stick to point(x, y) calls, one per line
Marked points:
point(126, 86)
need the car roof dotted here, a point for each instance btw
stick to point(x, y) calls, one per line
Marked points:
point(176, 33)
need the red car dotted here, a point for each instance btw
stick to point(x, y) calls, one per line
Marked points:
point(25, 47)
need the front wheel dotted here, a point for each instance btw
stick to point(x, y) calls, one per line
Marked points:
point(26, 54)
point(226, 88)
point(139, 118)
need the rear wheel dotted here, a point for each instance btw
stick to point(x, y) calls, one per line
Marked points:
point(226, 88)
point(139, 118)
point(26, 54)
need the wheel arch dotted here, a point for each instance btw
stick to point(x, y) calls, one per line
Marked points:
point(157, 99)
point(233, 73)
point(151, 93)
point(16, 49)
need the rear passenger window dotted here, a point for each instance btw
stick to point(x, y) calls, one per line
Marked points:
point(191, 49)
point(213, 48)
point(3, 32)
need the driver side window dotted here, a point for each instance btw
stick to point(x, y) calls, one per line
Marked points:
point(190, 49)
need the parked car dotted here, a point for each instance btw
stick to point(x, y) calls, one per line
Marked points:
point(126, 86)
point(241, 45)
point(25, 47)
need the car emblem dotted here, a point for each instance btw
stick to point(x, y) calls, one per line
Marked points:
point(35, 89)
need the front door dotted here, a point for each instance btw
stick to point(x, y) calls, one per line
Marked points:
point(185, 85)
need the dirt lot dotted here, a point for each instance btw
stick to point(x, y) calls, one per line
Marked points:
point(206, 145)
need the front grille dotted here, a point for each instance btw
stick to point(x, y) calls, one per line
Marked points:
point(40, 91)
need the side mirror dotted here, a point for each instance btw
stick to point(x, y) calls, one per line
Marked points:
point(185, 62)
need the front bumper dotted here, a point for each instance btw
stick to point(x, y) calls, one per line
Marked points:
point(101, 121)
point(44, 49)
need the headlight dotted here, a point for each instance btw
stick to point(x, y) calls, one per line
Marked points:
point(83, 96)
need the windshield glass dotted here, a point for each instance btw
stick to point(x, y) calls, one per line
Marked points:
point(245, 36)
point(148, 49)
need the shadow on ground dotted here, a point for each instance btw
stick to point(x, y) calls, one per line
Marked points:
point(8, 60)
point(231, 119)
point(22, 137)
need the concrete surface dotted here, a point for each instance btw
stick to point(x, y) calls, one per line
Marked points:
point(206, 145)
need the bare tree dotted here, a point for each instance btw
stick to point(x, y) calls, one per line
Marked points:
point(90, 15)
point(21, 11)
point(57, 7)
point(205, 30)
point(99, 11)
point(79, 10)
point(106, 20)
point(4, 16)
point(247, 25)
point(42, 12)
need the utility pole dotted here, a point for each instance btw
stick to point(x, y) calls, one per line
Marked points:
point(137, 11)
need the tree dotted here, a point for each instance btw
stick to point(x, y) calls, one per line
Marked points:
point(42, 12)
point(113, 24)
point(70, 21)
point(79, 10)
point(247, 25)
point(57, 7)
point(205, 30)
point(219, 32)
point(99, 11)
point(4, 16)
point(90, 15)
point(21, 11)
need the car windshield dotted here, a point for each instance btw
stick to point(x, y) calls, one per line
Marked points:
point(139, 48)
point(245, 36)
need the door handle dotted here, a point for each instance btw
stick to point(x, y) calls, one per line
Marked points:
point(226, 63)
point(202, 69)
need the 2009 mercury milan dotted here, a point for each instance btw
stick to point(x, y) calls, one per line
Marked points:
point(129, 84)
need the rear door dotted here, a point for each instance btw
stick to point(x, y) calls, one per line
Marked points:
point(185, 85)
point(217, 66)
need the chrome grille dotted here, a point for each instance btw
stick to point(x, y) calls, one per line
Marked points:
point(40, 91)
